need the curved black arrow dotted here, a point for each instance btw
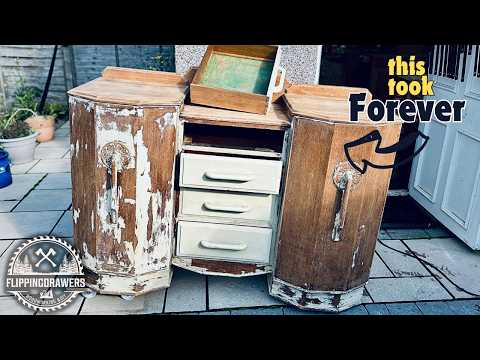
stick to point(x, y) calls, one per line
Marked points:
point(375, 136)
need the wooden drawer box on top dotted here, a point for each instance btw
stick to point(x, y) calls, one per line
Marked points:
point(238, 77)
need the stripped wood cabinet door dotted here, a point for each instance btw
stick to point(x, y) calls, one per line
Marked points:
point(330, 212)
point(122, 171)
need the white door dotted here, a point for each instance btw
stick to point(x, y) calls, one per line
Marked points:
point(445, 177)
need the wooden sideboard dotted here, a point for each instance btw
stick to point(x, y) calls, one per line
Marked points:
point(157, 181)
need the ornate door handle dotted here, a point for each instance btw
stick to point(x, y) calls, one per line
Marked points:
point(345, 178)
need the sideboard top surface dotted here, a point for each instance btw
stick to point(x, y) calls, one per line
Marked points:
point(275, 119)
point(135, 87)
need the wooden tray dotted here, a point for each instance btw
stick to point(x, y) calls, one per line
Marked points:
point(238, 77)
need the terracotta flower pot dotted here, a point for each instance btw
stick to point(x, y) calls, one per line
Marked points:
point(44, 125)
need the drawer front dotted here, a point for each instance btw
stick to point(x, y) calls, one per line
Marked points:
point(226, 204)
point(223, 242)
point(230, 173)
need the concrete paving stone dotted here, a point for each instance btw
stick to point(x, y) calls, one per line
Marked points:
point(20, 186)
point(188, 292)
point(64, 131)
point(50, 153)
point(51, 166)
point(66, 125)
point(401, 265)
point(406, 289)
point(55, 181)
point(6, 206)
point(455, 259)
point(383, 235)
point(112, 305)
point(25, 225)
point(438, 232)
point(64, 228)
point(379, 269)
point(403, 309)
point(154, 302)
point(251, 291)
point(356, 310)
point(10, 306)
point(22, 168)
point(407, 234)
point(67, 155)
point(258, 311)
point(290, 310)
point(435, 308)
point(366, 299)
point(57, 142)
point(377, 309)
point(465, 307)
point(38, 200)
point(71, 309)
point(219, 312)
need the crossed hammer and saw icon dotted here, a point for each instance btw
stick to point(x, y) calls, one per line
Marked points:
point(45, 256)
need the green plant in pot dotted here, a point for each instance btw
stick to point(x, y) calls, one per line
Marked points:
point(27, 98)
point(16, 137)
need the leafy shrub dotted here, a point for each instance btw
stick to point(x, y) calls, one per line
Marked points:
point(11, 127)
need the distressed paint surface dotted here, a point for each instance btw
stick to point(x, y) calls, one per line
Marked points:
point(221, 268)
point(131, 255)
point(328, 301)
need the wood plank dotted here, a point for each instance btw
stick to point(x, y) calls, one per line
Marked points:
point(275, 119)
point(162, 78)
point(130, 92)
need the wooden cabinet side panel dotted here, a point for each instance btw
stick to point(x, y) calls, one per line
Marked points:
point(301, 226)
point(83, 160)
point(371, 212)
point(155, 189)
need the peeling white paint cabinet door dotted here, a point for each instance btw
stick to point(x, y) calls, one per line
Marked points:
point(445, 177)
point(123, 160)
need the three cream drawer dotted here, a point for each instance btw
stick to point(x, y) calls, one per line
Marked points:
point(223, 242)
point(226, 204)
point(230, 173)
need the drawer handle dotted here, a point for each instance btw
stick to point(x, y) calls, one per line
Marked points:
point(212, 175)
point(228, 208)
point(220, 246)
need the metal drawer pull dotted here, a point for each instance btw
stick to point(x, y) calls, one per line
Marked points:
point(220, 246)
point(228, 208)
point(212, 175)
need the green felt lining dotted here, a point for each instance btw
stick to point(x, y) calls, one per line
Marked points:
point(231, 72)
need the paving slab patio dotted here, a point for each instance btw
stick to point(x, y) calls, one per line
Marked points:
point(24, 225)
point(400, 265)
point(55, 181)
point(20, 186)
point(39, 200)
point(225, 292)
point(455, 259)
point(64, 228)
point(51, 166)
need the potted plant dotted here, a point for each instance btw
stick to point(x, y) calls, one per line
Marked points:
point(17, 137)
point(26, 97)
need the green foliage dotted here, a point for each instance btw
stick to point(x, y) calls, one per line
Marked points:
point(55, 109)
point(11, 127)
point(28, 97)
